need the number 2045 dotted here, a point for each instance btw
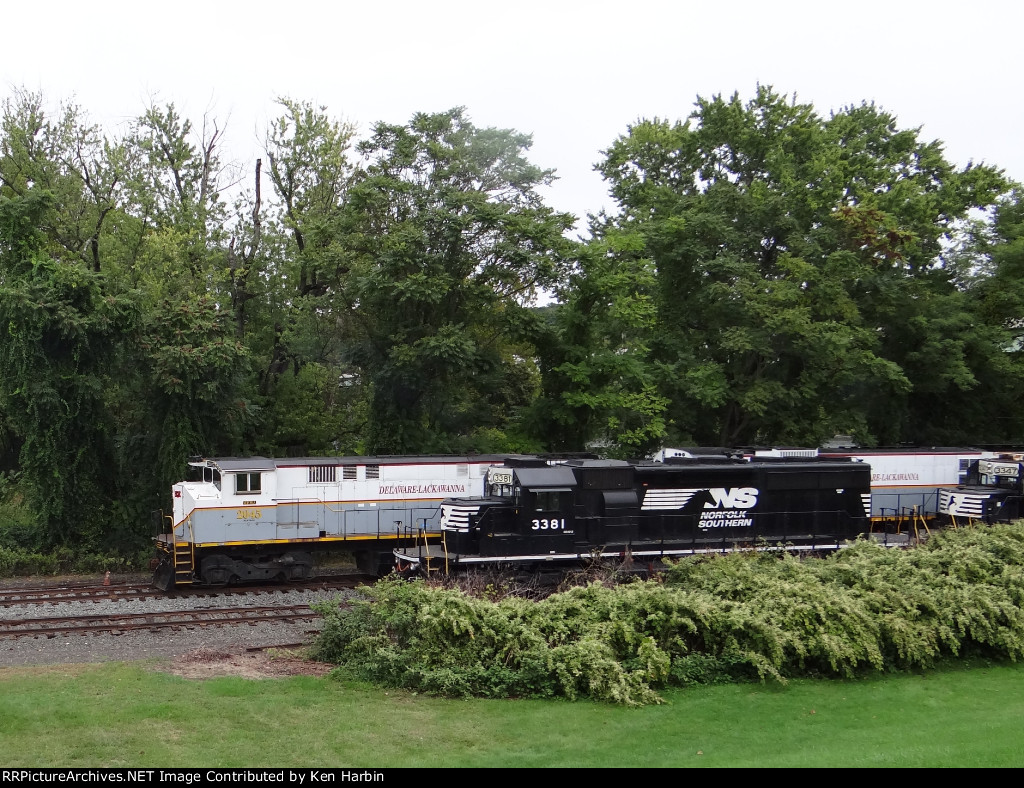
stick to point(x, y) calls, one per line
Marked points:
point(554, 524)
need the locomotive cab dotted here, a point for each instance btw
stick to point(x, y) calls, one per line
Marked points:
point(541, 518)
point(527, 510)
point(551, 511)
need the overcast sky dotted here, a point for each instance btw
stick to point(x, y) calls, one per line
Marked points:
point(573, 74)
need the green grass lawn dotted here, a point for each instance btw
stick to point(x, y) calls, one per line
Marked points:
point(131, 715)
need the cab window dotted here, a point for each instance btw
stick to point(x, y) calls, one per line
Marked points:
point(204, 474)
point(503, 491)
point(548, 500)
point(247, 483)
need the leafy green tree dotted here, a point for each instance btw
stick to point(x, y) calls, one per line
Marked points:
point(800, 286)
point(87, 183)
point(447, 243)
point(69, 158)
point(179, 180)
point(304, 267)
point(311, 173)
point(62, 329)
point(905, 211)
point(312, 413)
point(176, 236)
point(192, 267)
point(599, 387)
point(988, 263)
point(197, 376)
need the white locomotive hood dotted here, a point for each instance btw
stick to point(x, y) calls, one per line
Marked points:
point(188, 495)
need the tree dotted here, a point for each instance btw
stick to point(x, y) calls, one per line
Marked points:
point(788, 250)
point(186, 387)
point(311, 173)
point(905, 211)
point(72, 161)
point(124, 234)
point(989, 270)
point(62, 331)
point(599, 388)
point(447, 243)
point(196, 382)
point(301, 324)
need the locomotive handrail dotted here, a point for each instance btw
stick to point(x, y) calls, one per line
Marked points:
point(191, 541)
point(420, 536)
point(399, 524)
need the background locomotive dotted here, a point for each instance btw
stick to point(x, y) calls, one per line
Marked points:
point(535, 513)
point(923, 486)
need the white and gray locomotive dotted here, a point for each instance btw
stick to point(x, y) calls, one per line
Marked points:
point(255, 518)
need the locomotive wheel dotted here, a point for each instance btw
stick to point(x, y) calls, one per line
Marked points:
point(216, 570)
point(298, 566)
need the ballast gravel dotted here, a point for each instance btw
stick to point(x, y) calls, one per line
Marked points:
point(167, 642)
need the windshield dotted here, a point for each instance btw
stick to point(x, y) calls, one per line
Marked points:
point(204, 473)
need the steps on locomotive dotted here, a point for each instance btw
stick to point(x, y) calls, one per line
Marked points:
point(179, 570)
point(183, 563)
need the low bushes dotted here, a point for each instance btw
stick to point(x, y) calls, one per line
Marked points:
point(724, 618)
point(17, 562)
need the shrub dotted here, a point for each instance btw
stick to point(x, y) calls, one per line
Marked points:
point(740, 616)
point(19, 527)
point(19, 562)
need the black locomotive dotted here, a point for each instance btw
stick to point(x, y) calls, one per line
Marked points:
point(534, 512)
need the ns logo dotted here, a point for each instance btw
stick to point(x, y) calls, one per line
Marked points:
point(735, 498)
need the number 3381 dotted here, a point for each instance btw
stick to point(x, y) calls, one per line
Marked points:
point(554, 524)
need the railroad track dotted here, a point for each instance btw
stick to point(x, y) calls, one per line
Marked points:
point(10, 597)
point(177, 619)
point(55, 594)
